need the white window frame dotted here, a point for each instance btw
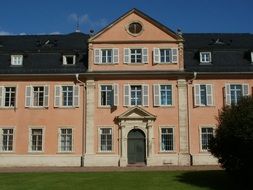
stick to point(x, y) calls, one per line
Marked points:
point(245, 91)
point(58, 98)
point(59, 140)
point(30, 139)
point(99, 139)
point(29, 98)
point(144, 95)
point(98, 56)
point(173, 136)
point(144, 55)
point(1, 139)
point(251, 57)
point(209, 96)
point(158, 96)
point(115, 95)
point(3, 96)
point(173, 55)
point(64, 58)
point(203, 57)
point(200, 136)
point(17, 60)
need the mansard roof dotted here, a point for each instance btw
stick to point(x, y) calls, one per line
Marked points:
point(42, 54)
point(230, 52)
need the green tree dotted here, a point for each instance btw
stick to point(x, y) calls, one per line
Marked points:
point(233, 141)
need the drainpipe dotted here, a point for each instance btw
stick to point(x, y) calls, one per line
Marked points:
point(83, 118)
point(189, 116)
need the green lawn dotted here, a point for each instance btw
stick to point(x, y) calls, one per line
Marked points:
point(163, 180)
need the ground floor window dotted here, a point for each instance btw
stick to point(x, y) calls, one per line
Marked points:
point(36, 140)
point(167, 139)
point(66, 137)
point(7, 140)
point(206, 135)
point(105, 139)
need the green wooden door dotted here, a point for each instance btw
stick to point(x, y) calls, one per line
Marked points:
point(136, 147)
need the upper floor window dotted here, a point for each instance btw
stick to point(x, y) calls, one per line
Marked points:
point(109, 95)
point(36, 96)
point(203, 95)
point(17, 60)
point(107, 55)
point(234, 92)
point(136, 95)
point(135, 55)
point(7, 96)
point(66, 140)
point(6, 136)
point(165, 55)
point(167, 139)
point(162, 95)
point(105, 139)
point(206, 136)
point(69, 59)
point(66, 96)
point(205, 57)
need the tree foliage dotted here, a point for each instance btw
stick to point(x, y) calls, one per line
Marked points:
point(233, 141)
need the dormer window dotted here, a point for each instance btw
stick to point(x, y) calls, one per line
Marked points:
point(17, 60)
point(205, 57)
point(69, 59)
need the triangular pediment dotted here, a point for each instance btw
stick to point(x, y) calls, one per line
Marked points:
point(152, 29)
point(136, 113)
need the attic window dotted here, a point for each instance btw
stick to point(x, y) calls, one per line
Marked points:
point(135, 28)
point(69, 59)
point(205, 57)
point(17, 60)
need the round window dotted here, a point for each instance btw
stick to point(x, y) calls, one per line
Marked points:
point(135, 28)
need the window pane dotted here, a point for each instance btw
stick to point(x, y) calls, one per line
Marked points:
point(206, 135)
point(106, 139)
point(166, 139)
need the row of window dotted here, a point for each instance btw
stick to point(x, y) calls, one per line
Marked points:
point(135, 55)
point(17, 60)
point(68, 96)
point(65, 139)
point(38, 96)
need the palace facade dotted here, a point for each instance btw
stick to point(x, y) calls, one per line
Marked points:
point(134, 93)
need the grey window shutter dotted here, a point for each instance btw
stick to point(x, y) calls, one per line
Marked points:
point(46, 96)
point(156, 55)
point(57, 96)
point(209, 94)
point(126, 95)
point(116, 94)
point(245, 89)
point(127, 55)
point(115, 55)
point(76, 96)
point(1, 96)
point(145, 95)
point(196, 94)
point(227, 94)
point(174, 55)
point(144, 55)
point(28, 96)
point(97, 56)
point(156, 94)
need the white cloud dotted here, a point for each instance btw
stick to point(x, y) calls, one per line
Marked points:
point(4, 33)
point(55, 33)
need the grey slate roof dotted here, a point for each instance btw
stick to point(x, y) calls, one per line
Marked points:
point(42, 54)
point(230, 52)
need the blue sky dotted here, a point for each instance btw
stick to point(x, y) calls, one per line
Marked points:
point(59, 16)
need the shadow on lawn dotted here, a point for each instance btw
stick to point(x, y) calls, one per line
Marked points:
point(213, 180)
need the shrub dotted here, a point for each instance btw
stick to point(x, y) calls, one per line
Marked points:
point(233, 141)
